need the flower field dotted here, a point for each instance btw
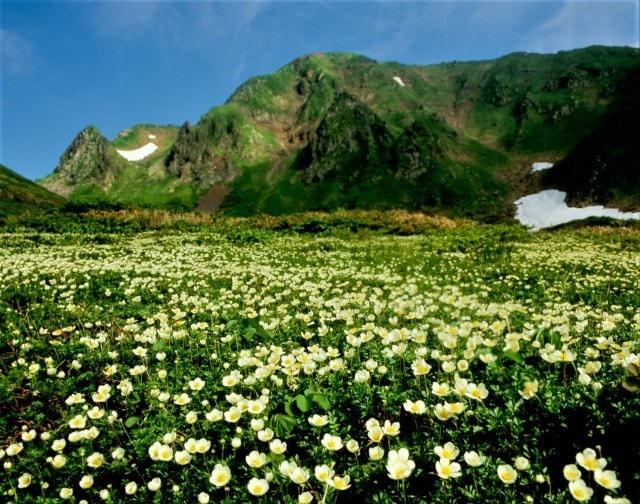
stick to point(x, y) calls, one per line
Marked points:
point(462, 365)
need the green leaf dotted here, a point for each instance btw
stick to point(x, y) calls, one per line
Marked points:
point(249, 333)
point(131, 421)
point(259, 330)
point(302, 403)
point(322, 401)
point(288, 407)
point(159, 346)
point(514, 356)
point(282, 424)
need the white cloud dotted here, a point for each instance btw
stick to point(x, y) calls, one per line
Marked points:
point(17, 53)
point(124, 18)
point(583, 23)
point(186, 25)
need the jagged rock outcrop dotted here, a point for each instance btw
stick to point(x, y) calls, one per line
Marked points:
point(192, 157)
point(86, 160)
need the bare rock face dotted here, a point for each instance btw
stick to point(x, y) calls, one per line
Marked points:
point(86, 160)
point(192, 159)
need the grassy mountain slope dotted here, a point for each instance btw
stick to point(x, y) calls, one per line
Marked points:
point(92, 172)
point(333, 130)
point(604, 167)
point(18, 193)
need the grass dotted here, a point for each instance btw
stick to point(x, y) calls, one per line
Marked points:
point(18, 194)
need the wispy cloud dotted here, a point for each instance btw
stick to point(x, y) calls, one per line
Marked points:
point(18, 56)
point(188, 25)
point(580, 23)
point(118, 19)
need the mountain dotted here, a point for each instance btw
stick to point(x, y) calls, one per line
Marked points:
point(333, 130)
point(17, 193)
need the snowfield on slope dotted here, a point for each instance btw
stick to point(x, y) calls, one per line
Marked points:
point(399, 80)
point(139, 153)
point(548, 208)
point(541, 165)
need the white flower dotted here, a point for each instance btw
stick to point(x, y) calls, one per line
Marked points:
point(399, 466)
point(196, 384)
point(588, 459)
point(571, 472)
point(256, 459)
point(522, 463)
point(86, 481)
point(352, 446)
point(305, 498)
point(417, 407)
point(580, 491)
point(333, 443)
point(66, 493)
point(131, 488)
point(95, 460)
point(24, 480)
point(323, 473)
point(257, 486)
point(449, 451)
point(473, 459)
point(606, 479)
point(182, 457)
point(507, 474)
point(155, 484)
point(376, 452)
point(447, 469)
point(220, 475)
point(14, 448)
point(278, 447)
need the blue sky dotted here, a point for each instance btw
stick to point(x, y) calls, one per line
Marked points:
point(114, 64)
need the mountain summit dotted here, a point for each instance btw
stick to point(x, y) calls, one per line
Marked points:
point(335, 130)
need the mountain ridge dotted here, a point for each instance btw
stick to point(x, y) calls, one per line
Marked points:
point(331, 130)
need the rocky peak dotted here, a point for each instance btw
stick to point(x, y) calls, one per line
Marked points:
point(192, 158)
point(87, 159)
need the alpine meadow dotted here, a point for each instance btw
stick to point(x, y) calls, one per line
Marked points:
point(352, 280)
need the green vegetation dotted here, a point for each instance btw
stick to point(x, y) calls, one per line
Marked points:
point(18, 194)
point(605, 165)
point(156, 357)
point(134, 188)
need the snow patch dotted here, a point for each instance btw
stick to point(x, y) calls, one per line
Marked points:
point(139, 153)
point(548, 208)
point(151, 137)
point(398, 80)
point(541, 165)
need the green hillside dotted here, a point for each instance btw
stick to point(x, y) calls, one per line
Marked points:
point(92, 173)
point(18, 194)
point(332, 130)
point(604, 167)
